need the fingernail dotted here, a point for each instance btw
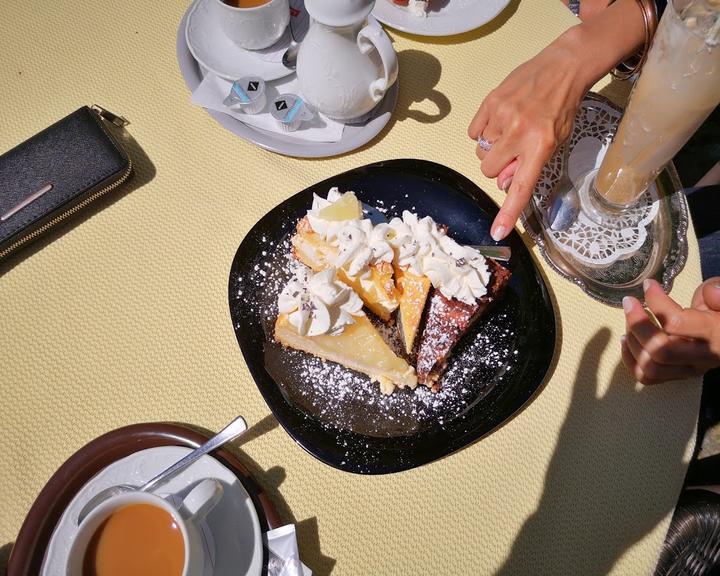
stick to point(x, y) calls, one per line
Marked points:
point(627, 304)
point(499, 233)
point(505, 184)
point(646, 284)
point(623, 340)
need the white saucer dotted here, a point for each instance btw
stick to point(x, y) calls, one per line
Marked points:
point(216, 52)
point(233, 524)
point(354, 135)
point(445, 17)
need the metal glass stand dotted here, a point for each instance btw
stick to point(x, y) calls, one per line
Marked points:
point(609, 263)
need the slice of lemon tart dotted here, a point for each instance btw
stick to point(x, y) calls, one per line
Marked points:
point(321, 315)
point(412, 292)
point(413, 286)
point(334, 234)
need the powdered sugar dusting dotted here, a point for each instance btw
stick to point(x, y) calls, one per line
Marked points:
point(348, 400)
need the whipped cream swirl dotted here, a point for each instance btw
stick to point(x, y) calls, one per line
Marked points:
point(422, 247)
point(319, 303)
point(327, 229)
point(360, 244)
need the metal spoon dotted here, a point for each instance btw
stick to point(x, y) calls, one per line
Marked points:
point(230, 432)
point(565, 203)
point(289, 58)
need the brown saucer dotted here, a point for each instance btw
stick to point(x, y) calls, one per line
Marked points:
point(29, 550)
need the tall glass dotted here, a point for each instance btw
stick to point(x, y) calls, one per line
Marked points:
point(677, 90)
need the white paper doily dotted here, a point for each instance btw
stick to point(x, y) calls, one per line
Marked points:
point(586, 241)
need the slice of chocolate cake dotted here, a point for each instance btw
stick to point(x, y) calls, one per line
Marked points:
point(447, 321)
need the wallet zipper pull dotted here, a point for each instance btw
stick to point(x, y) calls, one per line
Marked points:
point(118, 121)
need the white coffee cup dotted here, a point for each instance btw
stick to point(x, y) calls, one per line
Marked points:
point(252, 28)
point(195, 506)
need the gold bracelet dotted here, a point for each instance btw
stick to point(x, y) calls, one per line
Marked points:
point(634, 63)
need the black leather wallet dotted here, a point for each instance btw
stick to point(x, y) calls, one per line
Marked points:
point(57, 173)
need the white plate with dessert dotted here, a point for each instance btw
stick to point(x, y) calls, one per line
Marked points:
point(437, 17)
point(379, 337)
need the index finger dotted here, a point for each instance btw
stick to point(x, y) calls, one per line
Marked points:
point(523, 183)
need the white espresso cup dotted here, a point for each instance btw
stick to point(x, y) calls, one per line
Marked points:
point(252, 28)
point(195, 506)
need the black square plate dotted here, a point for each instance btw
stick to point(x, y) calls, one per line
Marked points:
point(340, 416)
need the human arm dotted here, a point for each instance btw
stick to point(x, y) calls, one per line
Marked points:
point(687, 342)
point(531, 112)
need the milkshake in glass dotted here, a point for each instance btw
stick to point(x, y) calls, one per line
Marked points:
point(677, 90)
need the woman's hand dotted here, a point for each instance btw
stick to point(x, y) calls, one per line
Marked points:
point(525, 118)
point(688, 341)
point(532, 111)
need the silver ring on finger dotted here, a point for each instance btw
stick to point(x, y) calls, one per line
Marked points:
point(484, 144)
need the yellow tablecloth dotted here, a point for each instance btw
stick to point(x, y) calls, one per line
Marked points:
point(124, 318)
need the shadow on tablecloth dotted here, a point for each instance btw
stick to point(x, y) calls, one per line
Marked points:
point(598, 499)
point(414, 88)
point(617, 91)
point(270, 481)
point(419, 88)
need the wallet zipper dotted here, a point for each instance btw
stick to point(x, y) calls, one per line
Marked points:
point(105, 114)
point(118, 121)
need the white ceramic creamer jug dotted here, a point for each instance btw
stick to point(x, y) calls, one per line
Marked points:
point(344, 68)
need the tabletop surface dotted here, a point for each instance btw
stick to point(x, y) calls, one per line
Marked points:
point(124, 318)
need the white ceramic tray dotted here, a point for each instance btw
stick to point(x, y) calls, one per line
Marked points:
point(354, 135)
